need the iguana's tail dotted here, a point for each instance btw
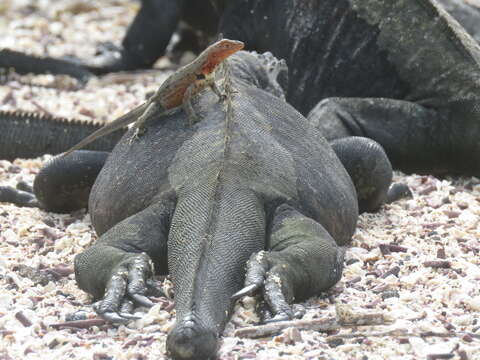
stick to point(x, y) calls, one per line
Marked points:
point(24, 64)
point(29, 135)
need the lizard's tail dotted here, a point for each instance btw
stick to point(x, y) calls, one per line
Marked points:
point(119, 123)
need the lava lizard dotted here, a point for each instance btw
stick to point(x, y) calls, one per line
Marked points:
point(176, 90)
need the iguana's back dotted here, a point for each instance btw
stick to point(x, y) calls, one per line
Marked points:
point(277, 156)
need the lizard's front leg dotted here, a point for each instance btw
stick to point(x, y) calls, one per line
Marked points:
point(210, 81)
point(154, 109)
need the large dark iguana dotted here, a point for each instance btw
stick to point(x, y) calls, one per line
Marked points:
point(403, 73)
point(253, 179)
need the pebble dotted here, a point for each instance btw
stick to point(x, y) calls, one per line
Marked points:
point(473, 303)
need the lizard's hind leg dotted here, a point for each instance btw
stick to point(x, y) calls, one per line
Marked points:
point(139, 126)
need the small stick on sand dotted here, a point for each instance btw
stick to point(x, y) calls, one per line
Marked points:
point(402, 333)
point(80, 324)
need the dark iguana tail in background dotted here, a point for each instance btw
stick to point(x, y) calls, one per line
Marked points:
point(29, 135)
point(61, 186)
point(24, 64)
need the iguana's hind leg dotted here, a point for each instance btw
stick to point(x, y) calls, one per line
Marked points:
point(301, 261)
point(415, 138)
point(370, 170)
point(62, 185)
point(119, 267)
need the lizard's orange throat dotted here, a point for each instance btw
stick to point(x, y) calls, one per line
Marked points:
point(217, 57)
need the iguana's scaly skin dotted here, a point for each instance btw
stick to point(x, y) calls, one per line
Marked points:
point(29, 135)
point(176, 90)
point(403, 73)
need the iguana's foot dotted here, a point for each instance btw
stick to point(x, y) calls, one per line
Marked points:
point(266, 316)
point(265, 273)
point(20, 196)
point(129, 284)
point(398, 191)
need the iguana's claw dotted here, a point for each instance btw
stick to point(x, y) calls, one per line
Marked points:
point(131, 280)
point(142, 300)
point(264, 270)
point(247, 290)
point(278, 317)
point(114, 317)
point(128, 316)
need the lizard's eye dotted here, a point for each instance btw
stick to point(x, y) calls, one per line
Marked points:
point(200, 76)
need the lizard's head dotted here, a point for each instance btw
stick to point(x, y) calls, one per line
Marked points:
point(218, 52)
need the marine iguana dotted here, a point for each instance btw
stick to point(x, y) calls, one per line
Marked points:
point(403, 73)
point(252, 180)
point(140, 49)
point(175, 91)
